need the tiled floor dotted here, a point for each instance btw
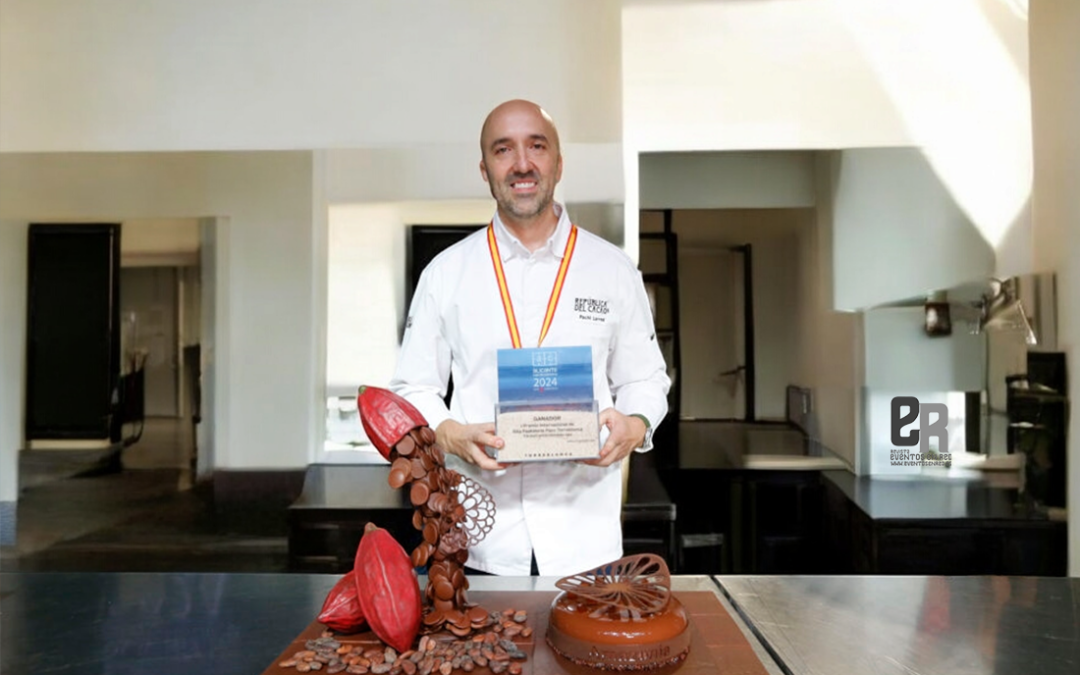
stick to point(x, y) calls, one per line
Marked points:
point(145, 517)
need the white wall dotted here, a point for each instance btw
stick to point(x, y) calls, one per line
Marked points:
point(1055, 57)
point(732, 75)
point(267, 327)
point(592, 172)
point(13, 241)
point(900, 355)
point(248, 74)
point(950, 78)
point(897, 232)
point(829, 352)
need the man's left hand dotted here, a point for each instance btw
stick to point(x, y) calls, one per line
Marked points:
point(626, 435)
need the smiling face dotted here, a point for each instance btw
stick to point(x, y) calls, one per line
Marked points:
point(521, 161)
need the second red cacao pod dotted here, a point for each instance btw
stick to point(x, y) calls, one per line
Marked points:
point(342, 611)
point(388, 589)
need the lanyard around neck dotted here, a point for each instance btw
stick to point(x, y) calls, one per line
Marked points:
point(504, 290)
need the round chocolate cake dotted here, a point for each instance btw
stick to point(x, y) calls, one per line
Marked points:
point(621, 616)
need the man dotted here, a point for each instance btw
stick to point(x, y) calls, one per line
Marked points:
point(564, 517)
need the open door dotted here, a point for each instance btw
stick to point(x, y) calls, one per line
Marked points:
point(721, 386)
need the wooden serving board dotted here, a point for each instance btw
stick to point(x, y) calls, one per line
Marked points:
point(716, 643)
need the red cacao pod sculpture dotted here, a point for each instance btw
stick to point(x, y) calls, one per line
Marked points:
point(386, 417)
point(342, 611)
point(388, 589)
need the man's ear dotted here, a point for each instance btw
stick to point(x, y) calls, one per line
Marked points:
point(558, 169)
point(483, 171)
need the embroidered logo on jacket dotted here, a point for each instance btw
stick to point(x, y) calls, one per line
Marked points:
point(590, 306)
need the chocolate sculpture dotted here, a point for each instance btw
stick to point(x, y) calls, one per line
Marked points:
point(453, 512)
point(620, 616)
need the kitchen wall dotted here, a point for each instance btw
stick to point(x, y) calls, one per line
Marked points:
point(13, 258)
point(814, 74)
point(266, 275)
point(134, 75)
point(897, 231)
point(1055, 107)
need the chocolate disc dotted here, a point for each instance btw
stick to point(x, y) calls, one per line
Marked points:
point(431, 533)
point(428, 461)
point(458, 579)
point(419, 556)
point(435, 500)
point(460, 619)
point(478, 615)
point(460, 600)
point(401, 464)
point(427, 435)
point(419, 494)
point(396, 478)
point(405, 446)
point(444, 590)
point(417, 520)
point(434, 617)
point(416, 468)
point(463, 556)
point(459, 513)
point(444, 607)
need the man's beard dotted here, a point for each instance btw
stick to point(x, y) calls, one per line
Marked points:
point(525, 209)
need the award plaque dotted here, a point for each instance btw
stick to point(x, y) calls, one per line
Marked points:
point(546, 410)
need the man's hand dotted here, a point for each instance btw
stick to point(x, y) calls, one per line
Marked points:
point(626, 435)
point(467, 441)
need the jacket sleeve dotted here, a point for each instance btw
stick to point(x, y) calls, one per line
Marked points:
point(423, 367)
point(636, 369)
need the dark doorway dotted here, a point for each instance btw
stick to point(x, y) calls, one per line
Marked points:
point(73, 338)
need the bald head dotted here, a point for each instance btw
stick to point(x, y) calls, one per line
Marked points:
point(513, 115)
point(521, 162)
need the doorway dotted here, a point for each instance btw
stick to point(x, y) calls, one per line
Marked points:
point(719, 334)
point(149, 309)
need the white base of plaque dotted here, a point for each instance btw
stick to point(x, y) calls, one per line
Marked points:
point(549, 434)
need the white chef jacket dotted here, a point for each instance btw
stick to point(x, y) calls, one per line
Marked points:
point(568, 513)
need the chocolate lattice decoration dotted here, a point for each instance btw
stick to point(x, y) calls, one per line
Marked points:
point(627, 589)
point(479, 509)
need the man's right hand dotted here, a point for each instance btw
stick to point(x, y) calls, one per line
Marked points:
point(467, 441)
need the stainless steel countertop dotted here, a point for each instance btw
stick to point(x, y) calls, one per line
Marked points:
point(180, 624)
point(914, 625)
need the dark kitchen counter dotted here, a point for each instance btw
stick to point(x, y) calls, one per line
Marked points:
point(182, 624)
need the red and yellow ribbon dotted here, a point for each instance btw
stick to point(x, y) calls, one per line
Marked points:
point(504, 290)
